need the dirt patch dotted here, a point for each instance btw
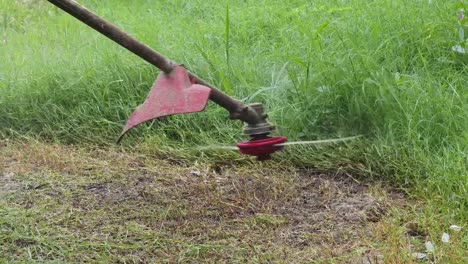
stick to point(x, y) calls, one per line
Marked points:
point(303, 210)
point(335, 210)
point(7, 183)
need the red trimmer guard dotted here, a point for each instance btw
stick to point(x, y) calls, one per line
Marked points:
point(261, 148)
point(171, 94)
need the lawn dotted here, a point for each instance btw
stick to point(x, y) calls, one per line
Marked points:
point(394, 72)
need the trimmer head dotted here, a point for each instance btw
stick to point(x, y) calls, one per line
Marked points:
point(261, 148)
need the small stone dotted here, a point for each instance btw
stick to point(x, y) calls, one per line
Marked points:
point(419, 255)
point(445, 237)
point(455, 228)
point(429, 247)
point(195, 172)
point(458, 49)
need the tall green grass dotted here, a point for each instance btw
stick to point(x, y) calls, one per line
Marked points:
point(384, 69)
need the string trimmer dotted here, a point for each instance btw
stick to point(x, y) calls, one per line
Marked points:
point(178, 91)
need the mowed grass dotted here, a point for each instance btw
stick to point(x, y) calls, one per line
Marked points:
point(382, 69)
point(69, 204)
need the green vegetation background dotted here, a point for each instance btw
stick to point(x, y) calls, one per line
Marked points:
point(324, 69)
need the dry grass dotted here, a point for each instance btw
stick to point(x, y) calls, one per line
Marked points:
point(77, 204)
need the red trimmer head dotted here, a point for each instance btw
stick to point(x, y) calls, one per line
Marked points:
point(261, 148)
